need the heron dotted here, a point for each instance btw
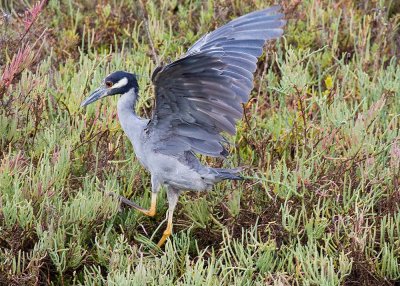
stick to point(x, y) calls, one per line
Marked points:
point(198, 98)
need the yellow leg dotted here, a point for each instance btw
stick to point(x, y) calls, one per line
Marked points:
point(152, 210)
point(168, 230)
point(172, 195)
point(149, 212)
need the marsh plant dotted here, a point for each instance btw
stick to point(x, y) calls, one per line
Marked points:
point(319, 141)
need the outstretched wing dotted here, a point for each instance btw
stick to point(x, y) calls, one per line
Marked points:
point(200, 95)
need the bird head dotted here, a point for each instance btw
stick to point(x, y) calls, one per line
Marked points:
point(118, 82)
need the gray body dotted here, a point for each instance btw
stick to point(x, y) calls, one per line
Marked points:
point(182, 171)
point(198, 97)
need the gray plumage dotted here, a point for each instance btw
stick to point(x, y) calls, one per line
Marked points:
point(198, 97)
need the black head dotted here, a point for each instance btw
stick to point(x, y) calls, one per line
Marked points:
point(118, 82)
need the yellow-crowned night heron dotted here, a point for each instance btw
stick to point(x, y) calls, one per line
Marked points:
point(197, 97)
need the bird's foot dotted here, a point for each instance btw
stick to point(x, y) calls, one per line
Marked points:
point(166, 234)
point(151, 212)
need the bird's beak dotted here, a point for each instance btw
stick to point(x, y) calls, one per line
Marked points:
point(96, 95)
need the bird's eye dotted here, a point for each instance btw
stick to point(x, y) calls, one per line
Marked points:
point(109, 84)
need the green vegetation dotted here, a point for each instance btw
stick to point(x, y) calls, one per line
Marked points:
point(320, 142)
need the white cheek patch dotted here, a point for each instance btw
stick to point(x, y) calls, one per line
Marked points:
point(122, 82)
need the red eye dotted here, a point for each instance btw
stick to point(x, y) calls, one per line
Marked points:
point(109, 84)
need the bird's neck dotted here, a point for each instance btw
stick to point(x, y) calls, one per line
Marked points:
point(127, 102)
point(130, 122)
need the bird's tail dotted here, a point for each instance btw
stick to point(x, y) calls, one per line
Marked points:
point(227, 174)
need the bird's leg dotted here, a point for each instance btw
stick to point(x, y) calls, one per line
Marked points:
point(172, 195)
point(150, 212)
point(154, 191)
point(168, 230)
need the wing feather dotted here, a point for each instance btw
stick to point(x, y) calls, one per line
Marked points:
point(200, 95)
